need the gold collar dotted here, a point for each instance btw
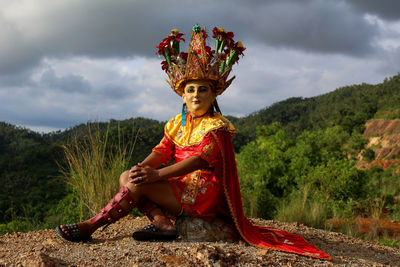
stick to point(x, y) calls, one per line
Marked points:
point(195, 129)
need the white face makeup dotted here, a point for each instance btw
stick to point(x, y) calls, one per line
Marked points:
point(198, 97)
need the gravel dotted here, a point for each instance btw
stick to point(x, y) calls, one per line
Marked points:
point(115, 247)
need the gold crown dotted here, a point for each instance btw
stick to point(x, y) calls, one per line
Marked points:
point(200, 62)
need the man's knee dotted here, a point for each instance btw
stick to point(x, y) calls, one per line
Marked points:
point(124, 178)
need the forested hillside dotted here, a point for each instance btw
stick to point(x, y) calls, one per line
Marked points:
point(30, 166)
point(350, 107)
point(304, 167)
point(27, 165)
point(309, 153)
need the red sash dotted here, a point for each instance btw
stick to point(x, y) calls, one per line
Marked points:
point(257, 235)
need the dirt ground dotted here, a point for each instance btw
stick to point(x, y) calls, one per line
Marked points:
point(115, 247)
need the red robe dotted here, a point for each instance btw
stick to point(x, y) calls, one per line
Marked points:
point(216, 190)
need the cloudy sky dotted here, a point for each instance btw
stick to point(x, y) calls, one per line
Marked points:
point(64, 62)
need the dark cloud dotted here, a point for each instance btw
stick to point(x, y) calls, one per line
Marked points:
point(97, 57)
point(125, 28)
point(70, 83)
point(16, 79)
point(16, 53)
point(114, 91)
point(313, 26)
point(386, 9)
point(73, 83)
point(391, 63)
point(21, 112)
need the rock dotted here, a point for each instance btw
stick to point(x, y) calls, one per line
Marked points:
point(174, 260)
point(198, 230)
point(39, 259)
point(206, 255)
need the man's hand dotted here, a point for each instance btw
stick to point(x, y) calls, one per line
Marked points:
point(141, 174)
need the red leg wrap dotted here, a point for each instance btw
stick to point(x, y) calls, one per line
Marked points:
point(114, 204)
point(146, 207)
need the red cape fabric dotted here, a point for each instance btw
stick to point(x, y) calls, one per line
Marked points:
point(257, 235)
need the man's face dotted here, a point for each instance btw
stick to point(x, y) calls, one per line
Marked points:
point(198, 97)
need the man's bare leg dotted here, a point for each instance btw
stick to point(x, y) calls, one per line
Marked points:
point(159, 193)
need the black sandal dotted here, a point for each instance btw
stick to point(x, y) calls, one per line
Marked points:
point(151, 233)
point(74, 233)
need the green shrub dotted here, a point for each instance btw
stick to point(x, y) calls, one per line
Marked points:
point(19, 224)
point(368, 154)
point(262, 171)
point(388, 242)
point(67, 211)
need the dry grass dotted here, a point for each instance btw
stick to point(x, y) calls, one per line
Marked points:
point(303, 210)
point(93, 168)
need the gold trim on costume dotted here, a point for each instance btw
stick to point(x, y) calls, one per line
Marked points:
point(209, 148)
point(195, 129)
point(185, 206)
point(202, 155)
point(192, 187)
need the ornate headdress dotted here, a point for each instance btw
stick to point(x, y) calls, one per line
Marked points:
point(200, 62)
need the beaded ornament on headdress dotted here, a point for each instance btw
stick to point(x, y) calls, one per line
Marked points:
point(200, 62)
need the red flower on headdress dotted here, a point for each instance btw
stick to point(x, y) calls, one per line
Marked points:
point(177, 37)
point(183, 55)
point(222, 34)
point(223, 56)
point(166, 43)
point(209, 52)
point(239, 48)
point(164, 65)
